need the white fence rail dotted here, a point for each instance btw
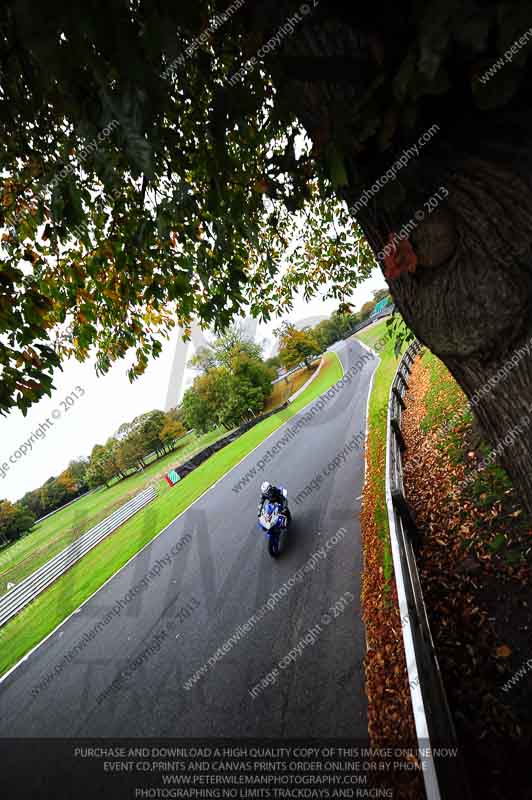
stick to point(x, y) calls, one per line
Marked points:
point(30, 588)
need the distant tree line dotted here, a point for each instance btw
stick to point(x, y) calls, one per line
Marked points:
point(235, 381)
point(155, 432)
point(302, 346)
point(17, 518)
point(233, 384)
point(125, 452)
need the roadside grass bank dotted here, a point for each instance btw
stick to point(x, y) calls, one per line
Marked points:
point(29, 627)
point(475, 565)
point(289, 386)
point(376, 447)
point(45, 540)
point(390, 718)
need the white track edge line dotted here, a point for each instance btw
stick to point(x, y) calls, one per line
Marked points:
point(78, 609)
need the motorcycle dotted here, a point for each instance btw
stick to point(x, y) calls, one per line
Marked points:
point(274, 521)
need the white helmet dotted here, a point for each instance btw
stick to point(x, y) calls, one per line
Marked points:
point(265, 487)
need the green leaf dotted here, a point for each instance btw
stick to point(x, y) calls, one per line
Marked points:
point(497, 543)
point(336, 166)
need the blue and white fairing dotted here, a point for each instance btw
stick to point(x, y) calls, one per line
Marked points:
point(271, 516)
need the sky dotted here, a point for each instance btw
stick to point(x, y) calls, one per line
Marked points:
point(69, 428)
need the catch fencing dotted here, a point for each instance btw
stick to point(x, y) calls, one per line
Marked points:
point(31, 587)
point(444, 777)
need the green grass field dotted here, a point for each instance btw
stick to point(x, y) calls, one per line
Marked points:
point(23, 557)
point(20, 559)
point(67, 594)
point(377, 417)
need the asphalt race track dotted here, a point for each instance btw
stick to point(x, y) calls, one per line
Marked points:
point(222, 574)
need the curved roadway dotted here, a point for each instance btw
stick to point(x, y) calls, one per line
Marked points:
point(224, 574)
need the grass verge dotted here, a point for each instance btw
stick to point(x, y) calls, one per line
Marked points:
point(390, 718)
point(284, 389)
point(23, 557)
point(376, 444)
point(46, 612)
point(20, 559)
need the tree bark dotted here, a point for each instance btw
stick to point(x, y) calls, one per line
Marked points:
point(470, 297)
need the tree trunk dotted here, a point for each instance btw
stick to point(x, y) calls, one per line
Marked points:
point(470, 297)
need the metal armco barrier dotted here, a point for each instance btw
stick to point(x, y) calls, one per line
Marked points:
point(31, 587)
point(444, 777)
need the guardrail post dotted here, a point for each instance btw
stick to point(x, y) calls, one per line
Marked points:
point(394, 422)
point(407, 515)
point(403, 380)
point(398, 397)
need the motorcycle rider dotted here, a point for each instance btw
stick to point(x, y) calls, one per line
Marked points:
point(273, 494)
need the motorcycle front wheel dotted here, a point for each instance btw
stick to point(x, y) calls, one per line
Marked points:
point(273, 546)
